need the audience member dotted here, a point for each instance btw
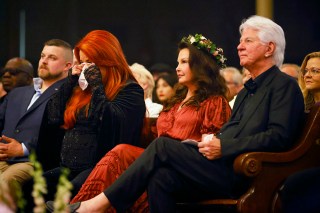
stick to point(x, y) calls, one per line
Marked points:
point(291, 69)
point(164, 87)
point(145, 79)
point(301, 191)
point(261, 121)
point(234, 82)
point(17, 72)
point(198, 108)
point(309, 79)
point(101, 105)
point(160, 69)
point(22, 111)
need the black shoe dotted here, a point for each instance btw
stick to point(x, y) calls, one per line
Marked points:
point(73, 207)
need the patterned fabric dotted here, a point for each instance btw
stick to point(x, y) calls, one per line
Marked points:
point(102, 126)
point(110, 167)
point(78, 151)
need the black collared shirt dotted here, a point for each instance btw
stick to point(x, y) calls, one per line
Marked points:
point(251, 87)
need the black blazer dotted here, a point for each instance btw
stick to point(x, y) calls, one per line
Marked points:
point(270, 119)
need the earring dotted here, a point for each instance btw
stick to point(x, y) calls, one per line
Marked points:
point(266, 55)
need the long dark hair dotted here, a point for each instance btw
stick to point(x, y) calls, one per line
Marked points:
point(207, 78)
point(170, 78)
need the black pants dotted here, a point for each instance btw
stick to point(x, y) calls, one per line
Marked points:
point(77, 178)
point(169, 170)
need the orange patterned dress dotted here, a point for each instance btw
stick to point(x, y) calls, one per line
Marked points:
point(188, 122)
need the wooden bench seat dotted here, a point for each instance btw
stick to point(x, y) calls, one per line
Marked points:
point(268, 171)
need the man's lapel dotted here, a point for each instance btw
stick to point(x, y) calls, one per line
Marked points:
point(46, 95)
point(25, 99)
point(255, 100)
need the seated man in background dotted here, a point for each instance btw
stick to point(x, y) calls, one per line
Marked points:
point(234, 83)
point(17, 72)
point(23, 109)
point(291, 69)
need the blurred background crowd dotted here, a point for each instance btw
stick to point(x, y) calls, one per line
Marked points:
point(148, 30)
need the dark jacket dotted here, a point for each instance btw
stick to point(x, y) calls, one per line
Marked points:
point(270, 118)
point(105, 124)
point(21, 124)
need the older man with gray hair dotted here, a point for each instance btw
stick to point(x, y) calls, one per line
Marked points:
point(234, 82)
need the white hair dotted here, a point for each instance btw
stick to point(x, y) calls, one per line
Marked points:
point(236, 74)
point(143, 76)
point(268, 31)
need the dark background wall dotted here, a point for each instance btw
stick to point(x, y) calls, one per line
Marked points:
point(150, 29)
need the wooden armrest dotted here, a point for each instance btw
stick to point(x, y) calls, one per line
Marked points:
point(250, 164)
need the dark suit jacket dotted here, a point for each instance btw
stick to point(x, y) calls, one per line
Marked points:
point(270, 119)
point(21, 124)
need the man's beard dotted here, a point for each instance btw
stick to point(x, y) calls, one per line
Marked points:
point(46, 75)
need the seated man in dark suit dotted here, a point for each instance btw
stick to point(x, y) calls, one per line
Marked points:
point(22, 111)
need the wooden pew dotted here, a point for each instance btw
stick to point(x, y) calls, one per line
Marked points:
point(267, 172)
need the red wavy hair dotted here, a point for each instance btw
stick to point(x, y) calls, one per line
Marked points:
point(103, 49)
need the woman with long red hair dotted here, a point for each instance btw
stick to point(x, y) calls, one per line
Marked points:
point(100, 105)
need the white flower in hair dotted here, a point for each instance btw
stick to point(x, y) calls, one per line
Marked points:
point(192, 40)
point(202, 43)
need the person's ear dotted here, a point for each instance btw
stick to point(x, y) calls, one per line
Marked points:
point(270, 49)
point(68, 65)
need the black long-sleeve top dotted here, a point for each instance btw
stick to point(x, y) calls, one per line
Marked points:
point(107, 124)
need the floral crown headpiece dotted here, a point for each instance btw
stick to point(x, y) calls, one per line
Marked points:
point(202, 43)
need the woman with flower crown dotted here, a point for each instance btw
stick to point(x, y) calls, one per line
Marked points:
point(198, 108)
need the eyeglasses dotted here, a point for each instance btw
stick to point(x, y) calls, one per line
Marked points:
point(312, 71)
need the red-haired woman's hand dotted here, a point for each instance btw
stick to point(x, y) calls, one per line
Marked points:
point(93, 76)
point(76, 69)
